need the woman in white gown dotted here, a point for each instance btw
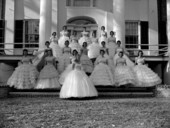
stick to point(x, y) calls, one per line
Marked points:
point(85, 60)
point(25, 75)
point(69, 67)
point(63, 37)
point(84, 38)
point(103, 36)
point(66, 55)
point(145, 76)
point(75, 45)
point(121, 49)
point(57, 51)
point(77, 84)
point(123, 74)
point(112, 44)
point(48, 77)
point(102, 75)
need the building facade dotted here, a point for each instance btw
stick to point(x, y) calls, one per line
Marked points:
point(28, 24)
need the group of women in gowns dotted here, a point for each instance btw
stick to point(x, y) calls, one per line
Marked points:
point(78, 65)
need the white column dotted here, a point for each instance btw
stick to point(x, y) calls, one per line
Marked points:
point(153, 26)
point(9, 26)
point(45, 22)
point(119, 20)
point(54, 16)
point(168, 24)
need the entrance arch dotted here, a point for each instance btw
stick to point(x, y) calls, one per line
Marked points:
point(77, 24)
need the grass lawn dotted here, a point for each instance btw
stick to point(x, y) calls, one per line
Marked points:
point(52, 112)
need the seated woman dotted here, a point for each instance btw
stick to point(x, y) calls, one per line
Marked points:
point(123, 74)
point(48, 77)
point(145, 76)
point(77, 84)
point(102, 75)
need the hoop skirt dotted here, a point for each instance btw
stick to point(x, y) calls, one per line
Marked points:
point(86, 63)
point(124, 75)
point(102, 74)
point(48, 77)
point(146, 77)
point(77, 85)
point(24, 77)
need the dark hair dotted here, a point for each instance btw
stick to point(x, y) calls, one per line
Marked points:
point(50, 51)
point(74, 51)
point(84, 43)
point(118, 41)
point(121, 52)
point(112, 32)
point(103, 42)
point(47, 42)
point(102, 27)
point(54, 33)
point(101, 50)
point(25, 50)
point(66, 42)
point(140, 51)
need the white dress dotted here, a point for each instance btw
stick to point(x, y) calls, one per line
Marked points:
point(24, 76)
point(103, 37)
point(77, 85)
point(86, 62)
point(48, 77)
point(112, 46)
point(102, 74)
point(66, 57)
point(93, 50)
point(124, 74)
point(145, 76)
point(128, 61)
point(84, 38)
point(63, 38)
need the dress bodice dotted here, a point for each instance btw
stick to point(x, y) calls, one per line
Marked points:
point(66, 49)
point(103, 33)
point(49, 59)
point(54, 39)
point(112, 39)
point(77, 66)
point(84, 51)
point(102, 60)
point(93, 39)
point(105, 49)
point(140, 61)
point(64, 33)
point(120, 62)
point(25, 60)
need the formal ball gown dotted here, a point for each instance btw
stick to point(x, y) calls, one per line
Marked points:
point(124, 74)
point(66, 71)
point(145, 76)
point(102, 74)
point(93, 49)
point(85, 61)
point(75, 45)
point(103, 37)
point(57, 52)
point(48, 77)
point(84, 38)
point(77, 84)
point(66, 57)
point(128, 61)
point(63, 38)
point(112, 46)
point(24, 76)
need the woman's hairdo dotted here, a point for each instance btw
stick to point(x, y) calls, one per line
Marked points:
point(101, 50)
point(140, 51)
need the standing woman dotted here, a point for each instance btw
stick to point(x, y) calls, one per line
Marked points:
point(123, 74)
point(25, 75)
point(63, 37)
point(77, 84)
point(85, 60)
point(84, 38)
point(102, 75)
point(103, 36)
point(66, 55)
point(112, 44)
point(48, 77)
point(145, 76)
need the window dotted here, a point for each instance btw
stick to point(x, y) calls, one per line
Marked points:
point(2, 35)
point(2, 9)
point(131, 34)
point(26, 33)
point(81, 3)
